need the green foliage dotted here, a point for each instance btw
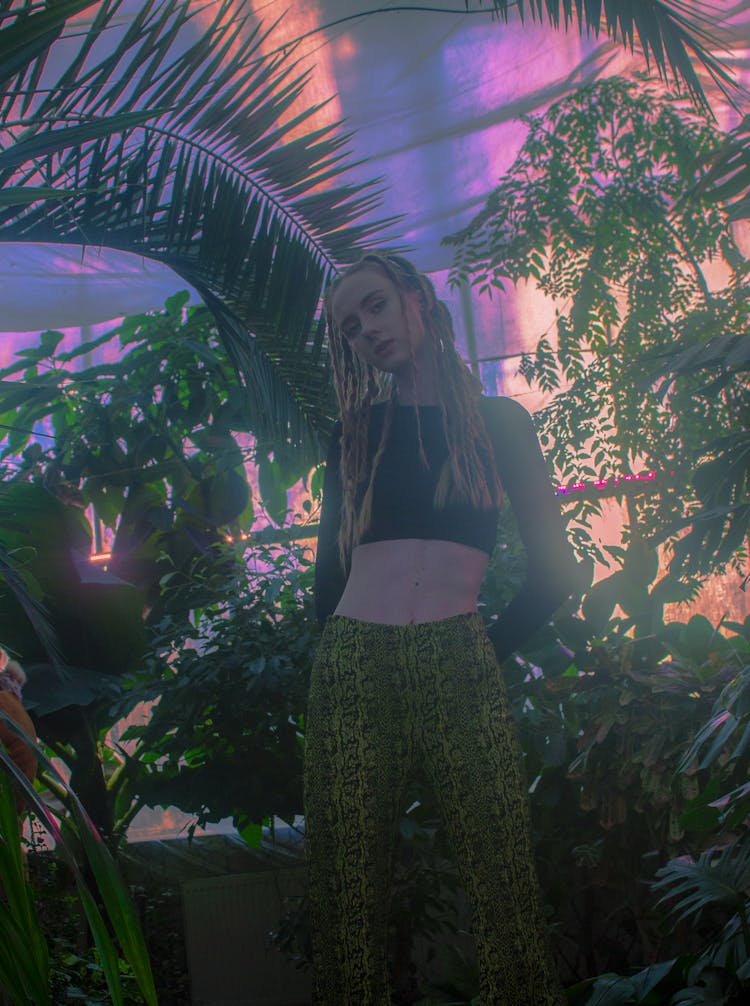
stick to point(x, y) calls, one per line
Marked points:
point(156, 440)
point(180, 146)
point(716, 878)
point(25, 960)
point(600, 209)
point(728, 177)
point(230, 679)
point(77, 628)
point(638, 774)
point(77, 977)
point(147, 438)
point(50, 543)
point(76, 974)
point(666, 33)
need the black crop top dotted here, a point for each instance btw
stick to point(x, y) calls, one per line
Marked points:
point(404, 490)
point(403, 508)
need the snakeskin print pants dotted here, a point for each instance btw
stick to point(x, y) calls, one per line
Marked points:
point(382, 698)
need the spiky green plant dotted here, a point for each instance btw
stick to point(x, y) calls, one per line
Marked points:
point(24, 956)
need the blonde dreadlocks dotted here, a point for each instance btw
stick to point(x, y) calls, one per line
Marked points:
point(464, 475)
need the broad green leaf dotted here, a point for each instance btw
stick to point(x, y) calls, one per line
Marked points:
point(272, 489)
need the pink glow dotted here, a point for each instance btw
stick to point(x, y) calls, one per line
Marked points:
point(566, 490)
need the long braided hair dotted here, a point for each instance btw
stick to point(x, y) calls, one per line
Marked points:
point(469, 474)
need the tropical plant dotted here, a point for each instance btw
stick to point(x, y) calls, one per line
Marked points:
point(667, 30)
point(97, 623)
point(595, 211)
point(155, 440)
point(147, 441)
point(727, 179)
point(635, 748)
point(76, 974)
point(148, 437)
point(229, 683)
point(603, 729)
point(157, 142)
point(24, 956)
point(725, 738)
point(24, 961)
point(706, 893)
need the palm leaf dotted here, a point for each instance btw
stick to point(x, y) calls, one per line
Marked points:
point(23, 195)
point(672, 33)
point(55, 140)
point(727, 179)
point(718, 877)
point(25, 43)
point(220, 186)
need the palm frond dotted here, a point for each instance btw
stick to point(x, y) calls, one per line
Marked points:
point(727, 179)
point(718, 877)
point(56, 140)
point(672, 33)
point(219, 184)
point(24, 44)
point(24, 195)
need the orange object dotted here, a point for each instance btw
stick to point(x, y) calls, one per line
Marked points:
point(20, 752)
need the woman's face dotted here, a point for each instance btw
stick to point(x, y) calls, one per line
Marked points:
point(367, 310)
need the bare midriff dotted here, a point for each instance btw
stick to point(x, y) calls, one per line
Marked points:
point(412, 580)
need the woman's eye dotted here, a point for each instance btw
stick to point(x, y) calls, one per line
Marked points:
point(377, 306)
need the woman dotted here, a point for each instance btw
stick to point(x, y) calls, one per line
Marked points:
point(406, 674)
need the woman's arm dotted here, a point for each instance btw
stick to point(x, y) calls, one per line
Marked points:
point(329, 576)
point(552, 572)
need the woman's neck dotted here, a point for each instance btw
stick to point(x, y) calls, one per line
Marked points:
point(419, 389)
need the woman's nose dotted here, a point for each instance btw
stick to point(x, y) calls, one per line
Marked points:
point(369, 328)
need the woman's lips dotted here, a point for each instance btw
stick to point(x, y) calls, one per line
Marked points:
point(384, 347)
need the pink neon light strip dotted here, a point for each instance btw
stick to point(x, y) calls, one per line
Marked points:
point(562, 490)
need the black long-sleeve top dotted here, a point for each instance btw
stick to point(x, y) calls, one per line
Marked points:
point(403, 508)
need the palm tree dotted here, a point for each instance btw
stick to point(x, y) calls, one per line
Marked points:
point(172, 150)
point(169, 149)
point(672, 33)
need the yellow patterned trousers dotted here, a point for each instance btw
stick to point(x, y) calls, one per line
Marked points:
point(384, 699)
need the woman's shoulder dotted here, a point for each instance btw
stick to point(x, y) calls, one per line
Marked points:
point(498, 409)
